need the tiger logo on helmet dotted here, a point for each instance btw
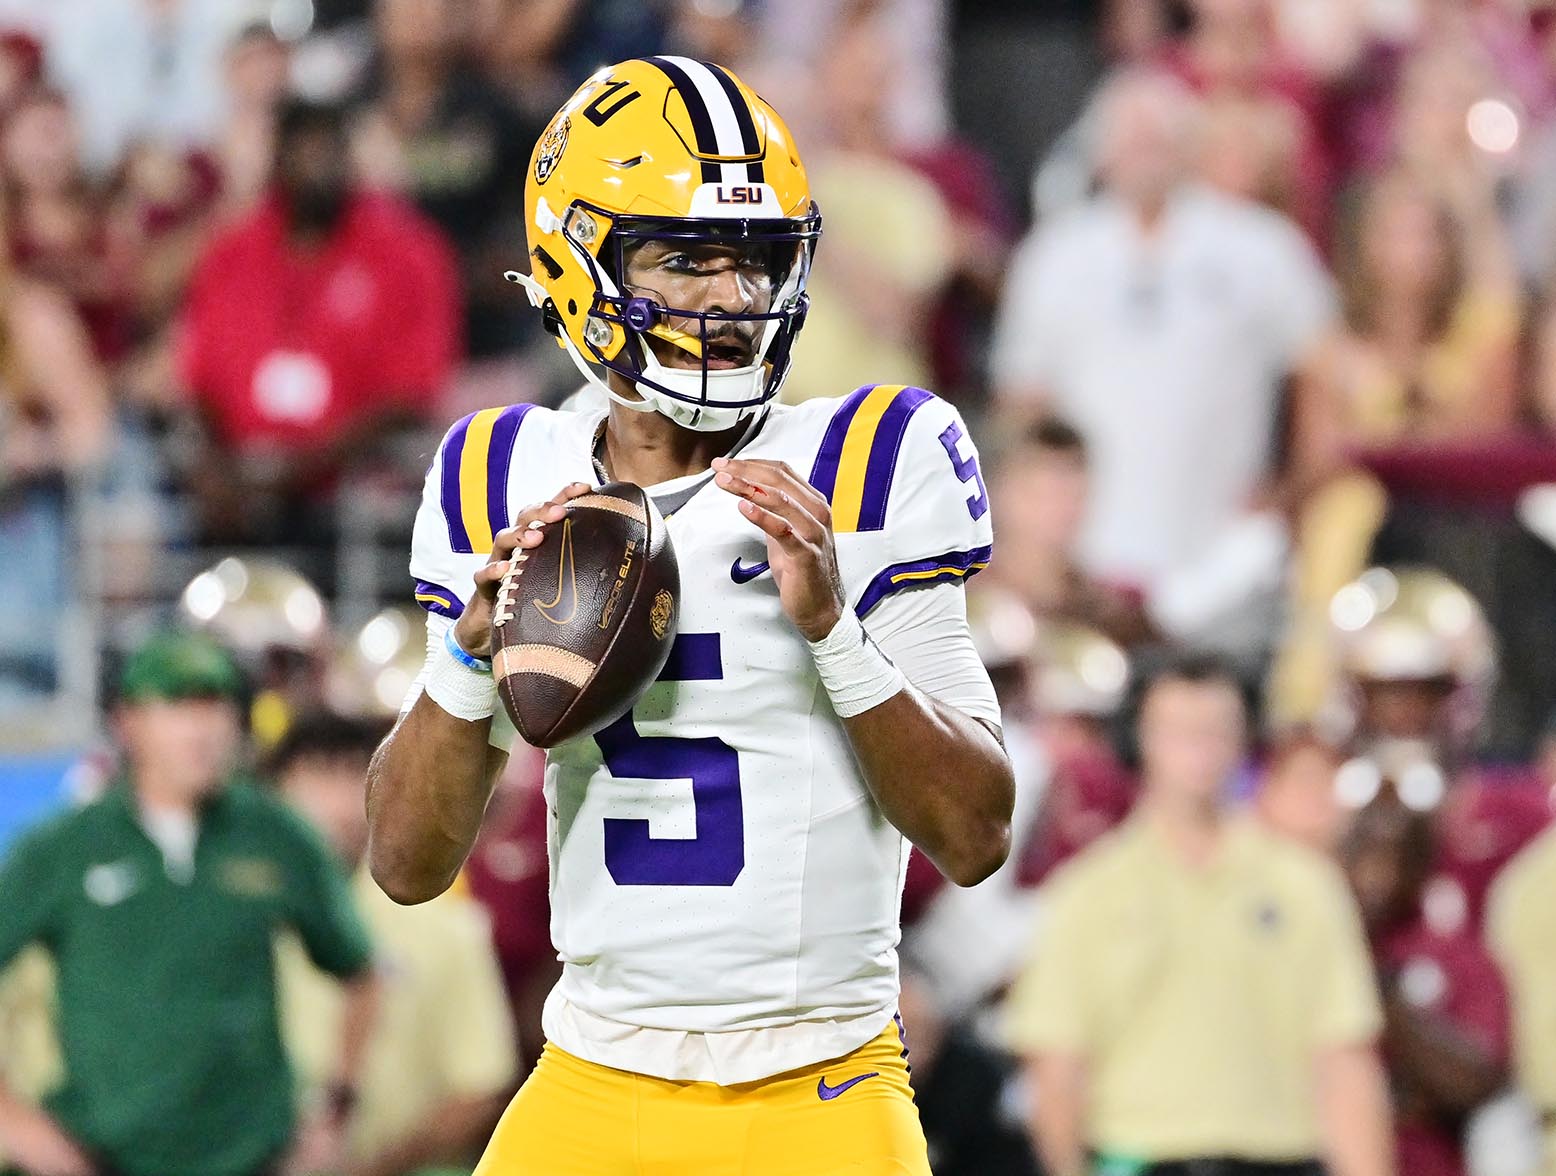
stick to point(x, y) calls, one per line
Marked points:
point(668, 149)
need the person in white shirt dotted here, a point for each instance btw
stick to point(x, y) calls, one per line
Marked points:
point(1163, 319)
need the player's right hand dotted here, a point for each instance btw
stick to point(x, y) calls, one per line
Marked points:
point(473, 630)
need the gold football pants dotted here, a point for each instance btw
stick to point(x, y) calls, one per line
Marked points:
point(853, 1116)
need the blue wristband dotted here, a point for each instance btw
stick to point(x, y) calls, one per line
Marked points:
point(480, 665)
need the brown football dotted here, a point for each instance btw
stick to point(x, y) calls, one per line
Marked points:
point(584, 621)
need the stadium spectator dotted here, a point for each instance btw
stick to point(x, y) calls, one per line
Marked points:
point(55, 411)
point(1432, 313)
point(56, 427)
point(161, 212)
point(258, 64)
point(21, 67)
point(1151, 317)
point(141, 69)
point(164, 895)
point(315, 328)
point(1232, 56)
point(1249, 149)
point(1423, 74)
point(1445, 1036)
point(889, 241)
point(57, 221)
point(967, 1092)
point(1429, 354)
point(1042, 480)
point(441, 1063)
point(1150, 1049)
point(1521, 929)
point(435, 131)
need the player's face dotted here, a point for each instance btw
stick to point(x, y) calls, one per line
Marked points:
point(180, 748)
point(1191, 739)
point(709, 278)
point(1406, 710)
point(327, 790)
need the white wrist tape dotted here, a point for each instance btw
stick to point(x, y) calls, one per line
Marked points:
point(856, 674)
point(464, 692)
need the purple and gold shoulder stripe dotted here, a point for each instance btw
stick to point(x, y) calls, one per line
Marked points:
point(437, 599)
point(859, 451)
point(474, 484)
point(953, 565)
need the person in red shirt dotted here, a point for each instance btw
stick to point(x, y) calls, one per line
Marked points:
point(1445, 1038)
point(314, 327)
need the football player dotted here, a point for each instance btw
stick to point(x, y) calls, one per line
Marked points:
point(727, 859)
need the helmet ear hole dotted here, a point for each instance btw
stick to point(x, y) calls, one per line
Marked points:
point(550, 319)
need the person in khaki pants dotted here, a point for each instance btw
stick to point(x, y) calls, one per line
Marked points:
point(1201, 1000)
point(1521, 929)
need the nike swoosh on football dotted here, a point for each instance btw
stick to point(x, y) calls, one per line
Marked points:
point(742, 574)
point(828, 1093)
point(559, 609)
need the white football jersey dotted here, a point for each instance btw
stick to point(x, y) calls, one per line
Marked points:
point(718, 866)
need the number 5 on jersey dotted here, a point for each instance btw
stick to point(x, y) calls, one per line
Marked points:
point(717, 854)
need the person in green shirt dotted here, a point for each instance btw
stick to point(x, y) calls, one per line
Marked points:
point(159, 903)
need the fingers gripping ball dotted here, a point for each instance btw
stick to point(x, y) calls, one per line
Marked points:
point(584, 621)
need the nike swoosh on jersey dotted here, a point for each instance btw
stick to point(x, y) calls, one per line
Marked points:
point(828, 1093)
point(560, 608)
point(742, 574)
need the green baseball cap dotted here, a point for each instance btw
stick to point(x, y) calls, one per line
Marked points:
point(179, 665)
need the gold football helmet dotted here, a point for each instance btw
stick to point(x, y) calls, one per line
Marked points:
point(1401, 625)
point(1411, 624)
point(1080, 671)
point(254, 606)
point(373, 670)
point(670, 150)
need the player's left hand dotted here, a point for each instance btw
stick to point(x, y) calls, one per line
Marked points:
point(319, 1146)
point(797, 521)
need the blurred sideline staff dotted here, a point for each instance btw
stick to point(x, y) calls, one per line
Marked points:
point(442, 1061)
point(1521, 927)
point(158, 903)
point(1201, 998)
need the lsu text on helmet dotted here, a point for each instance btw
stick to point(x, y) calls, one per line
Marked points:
point(683, 153)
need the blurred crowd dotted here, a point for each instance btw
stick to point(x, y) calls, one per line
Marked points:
point(1250, 306)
